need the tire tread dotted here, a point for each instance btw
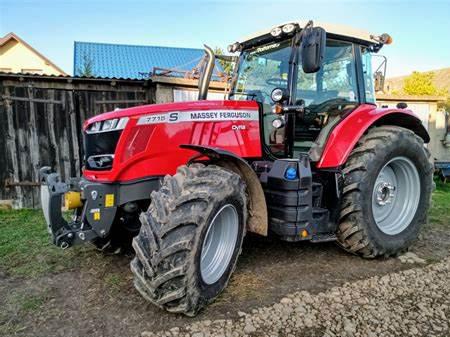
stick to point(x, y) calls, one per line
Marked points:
point(352, 233)
point(167, 239)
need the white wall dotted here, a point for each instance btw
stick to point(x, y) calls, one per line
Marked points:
point(421, 109)
point(182, 95)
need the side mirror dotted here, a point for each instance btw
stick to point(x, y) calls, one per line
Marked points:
point(312, 49)
point(379, 81)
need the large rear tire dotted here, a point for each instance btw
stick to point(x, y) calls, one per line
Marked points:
point(387, 185)
point(190, 238)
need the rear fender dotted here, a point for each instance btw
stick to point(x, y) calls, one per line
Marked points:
point(258, 218)
point(343, 138)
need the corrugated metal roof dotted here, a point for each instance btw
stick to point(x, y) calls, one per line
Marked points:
point(68, 77)
point(170, 80)
point(132, 61)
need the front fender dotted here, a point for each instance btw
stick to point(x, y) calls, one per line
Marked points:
point(258, 217)
point(343, 138)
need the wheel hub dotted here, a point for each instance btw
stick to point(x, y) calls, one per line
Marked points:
point(385, 193)
point(396, 195)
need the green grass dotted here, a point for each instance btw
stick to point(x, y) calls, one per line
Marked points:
point(28, 303)
point(26, 250)
point(114, 282)
point(25, 247)
point(18, 304)
point(440, 209)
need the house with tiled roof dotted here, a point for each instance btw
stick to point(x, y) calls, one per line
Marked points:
point(133, 61)
point(17, 56)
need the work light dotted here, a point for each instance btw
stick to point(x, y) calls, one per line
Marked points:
point(276, 31)
point(288, 28)
point(232, 48)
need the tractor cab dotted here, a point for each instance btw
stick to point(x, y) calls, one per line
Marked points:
point(305, 79)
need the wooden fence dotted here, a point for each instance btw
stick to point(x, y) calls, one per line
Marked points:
point(41, 119)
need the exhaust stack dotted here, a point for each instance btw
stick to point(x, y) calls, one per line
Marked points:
point(203, 82)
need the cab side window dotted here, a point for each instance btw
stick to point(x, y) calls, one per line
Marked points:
point(368, 75)
point(336, 79)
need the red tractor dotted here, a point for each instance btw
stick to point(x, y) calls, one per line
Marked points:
point(299, 149)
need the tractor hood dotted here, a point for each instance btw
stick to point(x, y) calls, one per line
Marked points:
point(145, 141)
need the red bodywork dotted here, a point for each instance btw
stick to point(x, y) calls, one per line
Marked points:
point(154, 149)
point(346, 134)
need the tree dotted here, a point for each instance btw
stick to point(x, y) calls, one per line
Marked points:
point(86, 69)
point(226, 66)
point(420, 84)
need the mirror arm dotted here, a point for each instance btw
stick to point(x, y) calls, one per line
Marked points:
point(299, 108)
point(381, 70)
point(293, 61)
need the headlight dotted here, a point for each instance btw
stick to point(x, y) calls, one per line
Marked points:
point(107, 125)
point(288, 28)
point(277, 95)
point(95, 127)
point(276, 31)
point(278, 123)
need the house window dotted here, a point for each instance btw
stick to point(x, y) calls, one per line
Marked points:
point(32, 71)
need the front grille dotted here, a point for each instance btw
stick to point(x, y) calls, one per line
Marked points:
point(99, 149)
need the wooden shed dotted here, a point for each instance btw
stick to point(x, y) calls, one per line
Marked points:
point(43, 115)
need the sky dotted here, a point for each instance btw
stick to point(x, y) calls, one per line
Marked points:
point(420, 29)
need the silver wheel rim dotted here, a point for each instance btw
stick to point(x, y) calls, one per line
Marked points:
point(219, 244)
point(396, 195)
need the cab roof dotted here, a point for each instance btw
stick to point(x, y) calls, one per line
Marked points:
point(336, 29)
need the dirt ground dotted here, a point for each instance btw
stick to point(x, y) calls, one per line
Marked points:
point(100, 300)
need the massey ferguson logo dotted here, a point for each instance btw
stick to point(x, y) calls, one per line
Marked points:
point(199, 116)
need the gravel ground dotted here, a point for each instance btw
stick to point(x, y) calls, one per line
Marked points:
point(414, 302)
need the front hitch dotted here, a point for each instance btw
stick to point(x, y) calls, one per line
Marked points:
point(64, 234)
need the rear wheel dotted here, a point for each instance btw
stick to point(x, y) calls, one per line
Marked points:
point(386, 193)
point(190, 238)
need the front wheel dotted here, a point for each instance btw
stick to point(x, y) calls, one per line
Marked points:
point(387, 185)
point(190, 238)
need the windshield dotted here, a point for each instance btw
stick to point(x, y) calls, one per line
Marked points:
point(265, 68)
point(261, 70)
point(325, 94)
